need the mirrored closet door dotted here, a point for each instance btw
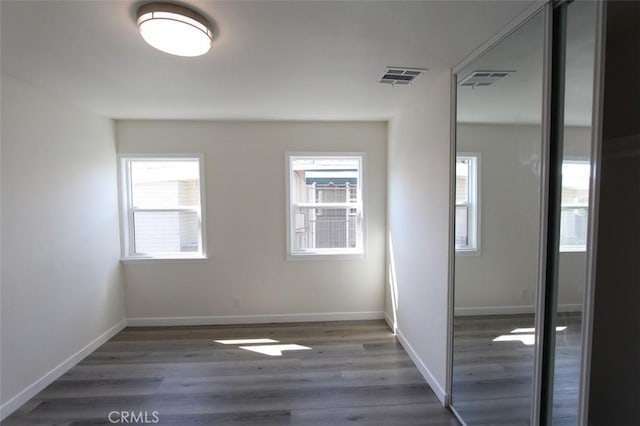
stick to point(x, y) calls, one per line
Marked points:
point(520, 216)
point(498, 184)
point(571, 139)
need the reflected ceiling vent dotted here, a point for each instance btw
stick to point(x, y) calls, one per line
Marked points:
point(399, 76)
point(483, 78)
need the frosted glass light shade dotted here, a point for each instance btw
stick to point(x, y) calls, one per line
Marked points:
point(174, 29)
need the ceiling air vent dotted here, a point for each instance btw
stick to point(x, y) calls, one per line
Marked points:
point(483, 78)
point(398, 76)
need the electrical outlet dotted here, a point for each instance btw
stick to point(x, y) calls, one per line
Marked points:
point(236, 302)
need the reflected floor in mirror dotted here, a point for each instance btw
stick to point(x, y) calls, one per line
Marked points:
point(493, 368)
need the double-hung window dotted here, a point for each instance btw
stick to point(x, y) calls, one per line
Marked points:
point(325, 208)
point(162, 207)
point(467, 204)
point(574, 205)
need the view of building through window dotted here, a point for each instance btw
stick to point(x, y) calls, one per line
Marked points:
point(164, 210)
point(466, 203)
point(326, 206)
point(462, 203)
point(574, 205)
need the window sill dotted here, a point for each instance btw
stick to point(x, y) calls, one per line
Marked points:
point(164, 259)
point(572, 249)
point(322, 256)
point(467, 252)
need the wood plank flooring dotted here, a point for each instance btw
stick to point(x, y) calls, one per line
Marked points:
point(355, 372)
point(493, 380)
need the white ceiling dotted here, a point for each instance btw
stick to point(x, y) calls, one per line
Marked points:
point(285, 60)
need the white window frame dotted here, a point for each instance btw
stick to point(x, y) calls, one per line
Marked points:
point(574, 248)
point(359, 252)
point(127, 209)
point(473, 205)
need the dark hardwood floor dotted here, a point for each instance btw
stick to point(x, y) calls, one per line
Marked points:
point(353, 373)
point(493, 380)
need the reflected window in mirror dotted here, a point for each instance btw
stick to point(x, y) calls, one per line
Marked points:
point(574, 205)
point(467, 203)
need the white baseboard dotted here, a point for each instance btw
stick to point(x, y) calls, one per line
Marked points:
point(574, 307)
point(253, 319)
point(433, 383)
point(511, 310)
point(33, 389)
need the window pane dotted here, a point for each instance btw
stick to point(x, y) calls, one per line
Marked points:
point(165, 184)
point(466, 202)
point(330, 193)
point(325, 180)
point(317, 180)
point(462, 227)
point(166, 232)
point(573, 227)
point(575, 183)
point(462, 181)
point(575, 200)
point(325, 228)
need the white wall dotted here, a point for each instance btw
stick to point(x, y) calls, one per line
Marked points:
point(61, 280)
point(418, 226)
point(502, 279)
point(245, 220)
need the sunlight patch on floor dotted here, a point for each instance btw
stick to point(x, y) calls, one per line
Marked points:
point(246, 341)
point(525, 335)
point(274, 350)
point(271, 350)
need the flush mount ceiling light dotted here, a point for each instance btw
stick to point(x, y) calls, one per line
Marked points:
point(175, 29)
